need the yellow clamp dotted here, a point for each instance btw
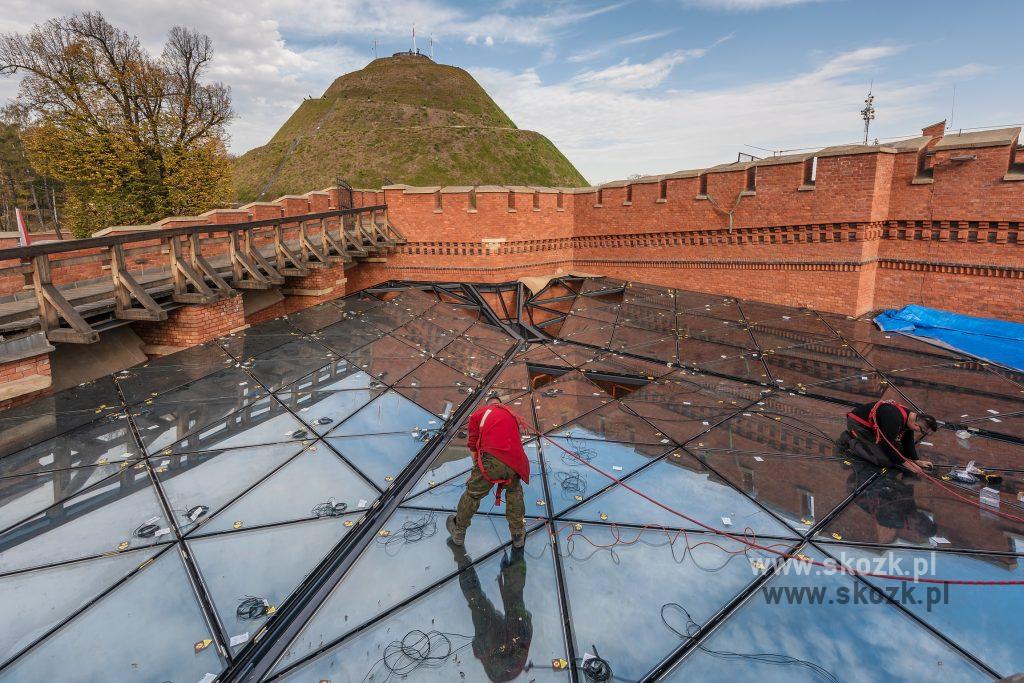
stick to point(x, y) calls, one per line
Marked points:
point(237, 524)
point(604, 517)
point(559, 664)
point(202, 644)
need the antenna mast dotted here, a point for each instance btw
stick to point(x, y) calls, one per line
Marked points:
point(868, 112)
point(431, 47)
point(414, 38)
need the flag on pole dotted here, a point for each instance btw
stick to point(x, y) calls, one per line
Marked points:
point(23, 238)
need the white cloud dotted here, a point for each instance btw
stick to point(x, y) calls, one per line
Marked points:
point(610, 134)
point(611, 46)
point(489, 41)
point(641, 75)
point(966, 71)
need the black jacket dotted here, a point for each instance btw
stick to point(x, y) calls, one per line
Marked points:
point(893, 427)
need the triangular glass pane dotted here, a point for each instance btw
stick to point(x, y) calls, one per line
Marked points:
point(771, 637)
point(607, 572)
point(285, 364)
point(491, 338)
point(24, 496)
point(211, 479)
point(570, 481)
point(107, 440)
point(681, 408)
point(340, 375)
point(956, 389)
point(747, 367)
point(860, 388)
point(323, 410)
point(40, 599)
point(515, 376)
point(984, 620)
point(753, 432)
point(169, 372)
point(302, 489)
point(265, 421)
point(117, 514)
point(348, 335)
point(424, 335)
point(613, 423)
point(390, 412)
point(813, 364)
point(901, 509)
point(823, 418)
point(468, 358)
point(238, 576)
point(497, 617)
point(316, 317)
point(154, 620)
point(387, 359)
point(441, 401)
point(684, 483)
point(379, 457)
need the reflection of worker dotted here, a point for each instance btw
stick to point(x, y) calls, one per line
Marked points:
point(499, 461)
point(885, 433)
point(500, 642)
point(890, 502)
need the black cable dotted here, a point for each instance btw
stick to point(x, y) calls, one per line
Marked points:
point(331, 508)
point(252, 607)
point(416, 648)
point(572, 484)
point(692, 627)
point(411, 531)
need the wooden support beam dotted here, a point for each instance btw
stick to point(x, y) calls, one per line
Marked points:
point(53, 306)
point(183, 275)
point(256, 257)
point(126, 288)
point(202, 266)
point(287, 262)
point(241, 265)
point(334, 249)
point(311, 249)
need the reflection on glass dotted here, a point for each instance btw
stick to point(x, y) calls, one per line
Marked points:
point(444, 621)
point(771, 638)
point(155, 622)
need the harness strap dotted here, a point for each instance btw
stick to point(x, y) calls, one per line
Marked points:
point(502, 483)
point(872, 421)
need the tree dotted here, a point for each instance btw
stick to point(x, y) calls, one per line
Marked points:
point(20, 184)
point(132, 137)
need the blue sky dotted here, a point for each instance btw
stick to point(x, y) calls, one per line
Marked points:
point(623, 87)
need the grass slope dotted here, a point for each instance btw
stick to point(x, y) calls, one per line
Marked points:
point(401, 119)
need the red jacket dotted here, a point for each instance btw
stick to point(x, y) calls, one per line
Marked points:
point(494, 429)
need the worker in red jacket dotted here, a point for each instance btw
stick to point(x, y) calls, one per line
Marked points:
point(499, 460)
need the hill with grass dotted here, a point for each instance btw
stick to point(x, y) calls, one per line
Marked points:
point(401, 119)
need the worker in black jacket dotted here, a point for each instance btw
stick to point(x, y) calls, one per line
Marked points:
point(885, 433)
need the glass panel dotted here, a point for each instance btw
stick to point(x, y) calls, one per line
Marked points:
point(265, 421)
point(40, 599)
point(652, 344)
point(960, 392)
point(613, 423)
point(415, 554)
point(490, 338)
point(302, 489)
point(863, 388)
point(322, 410)
point(24, 496)
point(155, 622)
point(435, 374)
point(682, 482)
point(800, 490)
point(117, 514)
point(239, 577)
point(391, 412)
point(337, 376)
point(618, 592)
point(489, 624)
point(47, 417)
point(752, 432)
point(949, 447)
point(681, 408)
point(316, 317)
point(252, 342)
point(212, 479)
point(169, 372)
point(898, 509)
point(424, 335)
point(380, 457)
point(571, 481)
point(108, 439)
point(746, 367)
point(442, 401)
point(794, 640)
point(984, 620)
point(348, 335)
point(387, 359)
point(287, 363)
point(808, 366)
point(468, 358)
point(587, 331)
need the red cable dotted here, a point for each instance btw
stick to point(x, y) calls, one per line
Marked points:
point(757, 546)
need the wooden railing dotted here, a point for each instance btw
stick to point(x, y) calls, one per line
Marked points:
point(140, 275)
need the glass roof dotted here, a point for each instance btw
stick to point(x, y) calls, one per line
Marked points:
point(271, 505)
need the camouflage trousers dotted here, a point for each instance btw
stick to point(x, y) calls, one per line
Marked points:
point(478, 487)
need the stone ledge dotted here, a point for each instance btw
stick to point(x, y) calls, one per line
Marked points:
point(23, 386)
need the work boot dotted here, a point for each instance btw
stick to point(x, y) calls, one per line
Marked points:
point(518, 540)
point(458, 536)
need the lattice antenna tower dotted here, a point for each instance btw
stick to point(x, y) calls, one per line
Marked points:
point(868, 112)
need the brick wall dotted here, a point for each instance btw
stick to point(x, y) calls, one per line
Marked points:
point(34, 370)
point(190, 325)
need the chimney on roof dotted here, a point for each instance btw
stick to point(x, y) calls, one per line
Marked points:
point(936, 130)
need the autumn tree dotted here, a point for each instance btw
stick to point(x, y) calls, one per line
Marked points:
point(132, 137)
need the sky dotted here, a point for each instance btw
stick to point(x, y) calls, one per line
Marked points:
point(621, 87)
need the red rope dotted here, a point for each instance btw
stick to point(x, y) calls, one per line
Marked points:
point(753, 544)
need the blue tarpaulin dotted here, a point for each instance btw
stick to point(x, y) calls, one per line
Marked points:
point(997, 341)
